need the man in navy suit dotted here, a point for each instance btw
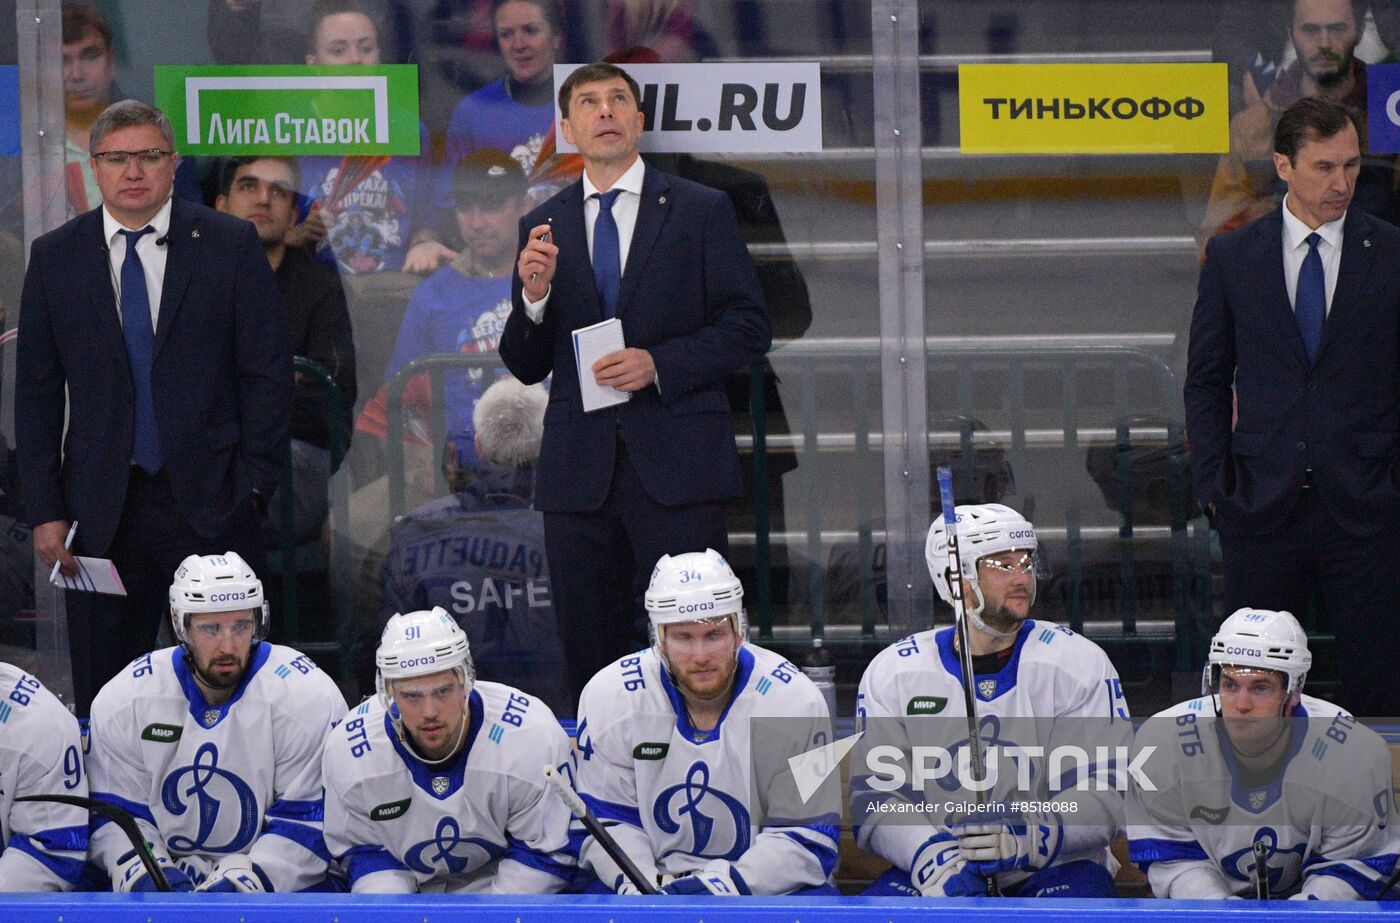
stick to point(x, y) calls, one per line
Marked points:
point(1298, 319)
point(162, 321)
point(622, 486)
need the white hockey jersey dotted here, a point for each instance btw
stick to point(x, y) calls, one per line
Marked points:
point(486, 823)
point(42, 844)
point(677, 798)
point(911, 696)
point(208, 781)
point(1324, 819)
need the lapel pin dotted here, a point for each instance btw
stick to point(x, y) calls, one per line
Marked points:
point(661, 201)
point(194, 233)
point(1366, 244)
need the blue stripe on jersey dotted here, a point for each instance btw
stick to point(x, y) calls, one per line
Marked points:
point(422, 775)
point(1146, 851)
point(739, 881)
point(70, 870)
point(309, 838)
point(1005, 677)
point(825, 853)
point(366, 860)
point(608, 810)
point(198, 706)
point(134, 808)
point(1368, 888)
point(688, 731)
point(308, 812)
point(533, 858)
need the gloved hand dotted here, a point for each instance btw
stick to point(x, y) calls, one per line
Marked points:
point(132, 876)
point(718, 878)
point(623, 885)
point(1010, 844)
point(939, 870)
point(235, 874)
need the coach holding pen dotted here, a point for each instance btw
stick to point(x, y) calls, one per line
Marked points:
point(622, 486)
point(1297, 323)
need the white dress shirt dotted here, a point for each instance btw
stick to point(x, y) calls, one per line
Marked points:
point(1295, 249)
point(152, 256)
point(624, 212)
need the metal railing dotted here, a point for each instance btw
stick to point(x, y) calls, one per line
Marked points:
point(294, 558)
point(857, 363)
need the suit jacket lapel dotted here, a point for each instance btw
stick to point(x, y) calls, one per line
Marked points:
point(651, 215)
point(102, 299)
point(182, 254)
point(1357, 254)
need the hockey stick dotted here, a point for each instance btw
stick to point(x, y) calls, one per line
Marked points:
point(600, 833)
point(125, 823)
point(1389, 882)
point(974, 733)
point(1261, 870)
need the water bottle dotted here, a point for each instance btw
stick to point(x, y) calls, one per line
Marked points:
point(821, 670)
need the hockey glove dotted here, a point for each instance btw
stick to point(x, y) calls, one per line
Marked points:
point(235, 874)
point(939, 870)
point(718, 878)
point(1013, 844)
point(133, 877)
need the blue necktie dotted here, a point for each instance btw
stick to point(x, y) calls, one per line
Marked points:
point(607, 255)
point(140, 352)
point(1310, 300)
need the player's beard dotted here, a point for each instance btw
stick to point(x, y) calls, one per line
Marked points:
point(203, 672)
point(1000, 618)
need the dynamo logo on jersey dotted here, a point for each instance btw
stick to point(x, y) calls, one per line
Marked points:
point(217, 794)
point(448, 852)
point(719, 823)
point(1283, 864)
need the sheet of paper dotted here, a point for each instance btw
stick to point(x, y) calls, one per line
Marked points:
point(591, 344)
point(95, 575)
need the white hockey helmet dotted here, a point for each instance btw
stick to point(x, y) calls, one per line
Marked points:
point(983, 529)
point(216, 583)
point(692, 587)
point(419, 643)
point(1261, 639)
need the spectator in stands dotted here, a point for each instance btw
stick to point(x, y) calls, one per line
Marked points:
point(1255, 762)
point(1249, 37)
point(89, 86)
point(479, 552)
point(434, 785)
point(270, 31)
point(1292, 402)
point(516, 113)
point(1324, 35)
point(263, 190)
point(373, 212)
point(461, 308)
point(1028, 675)
point(668, 27)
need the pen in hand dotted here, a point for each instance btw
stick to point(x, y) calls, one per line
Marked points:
point(543, 237)
point(67, 544)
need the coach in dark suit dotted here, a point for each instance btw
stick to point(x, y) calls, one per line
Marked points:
point(1299, 311)
point(622, 486)
point(163, 322)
